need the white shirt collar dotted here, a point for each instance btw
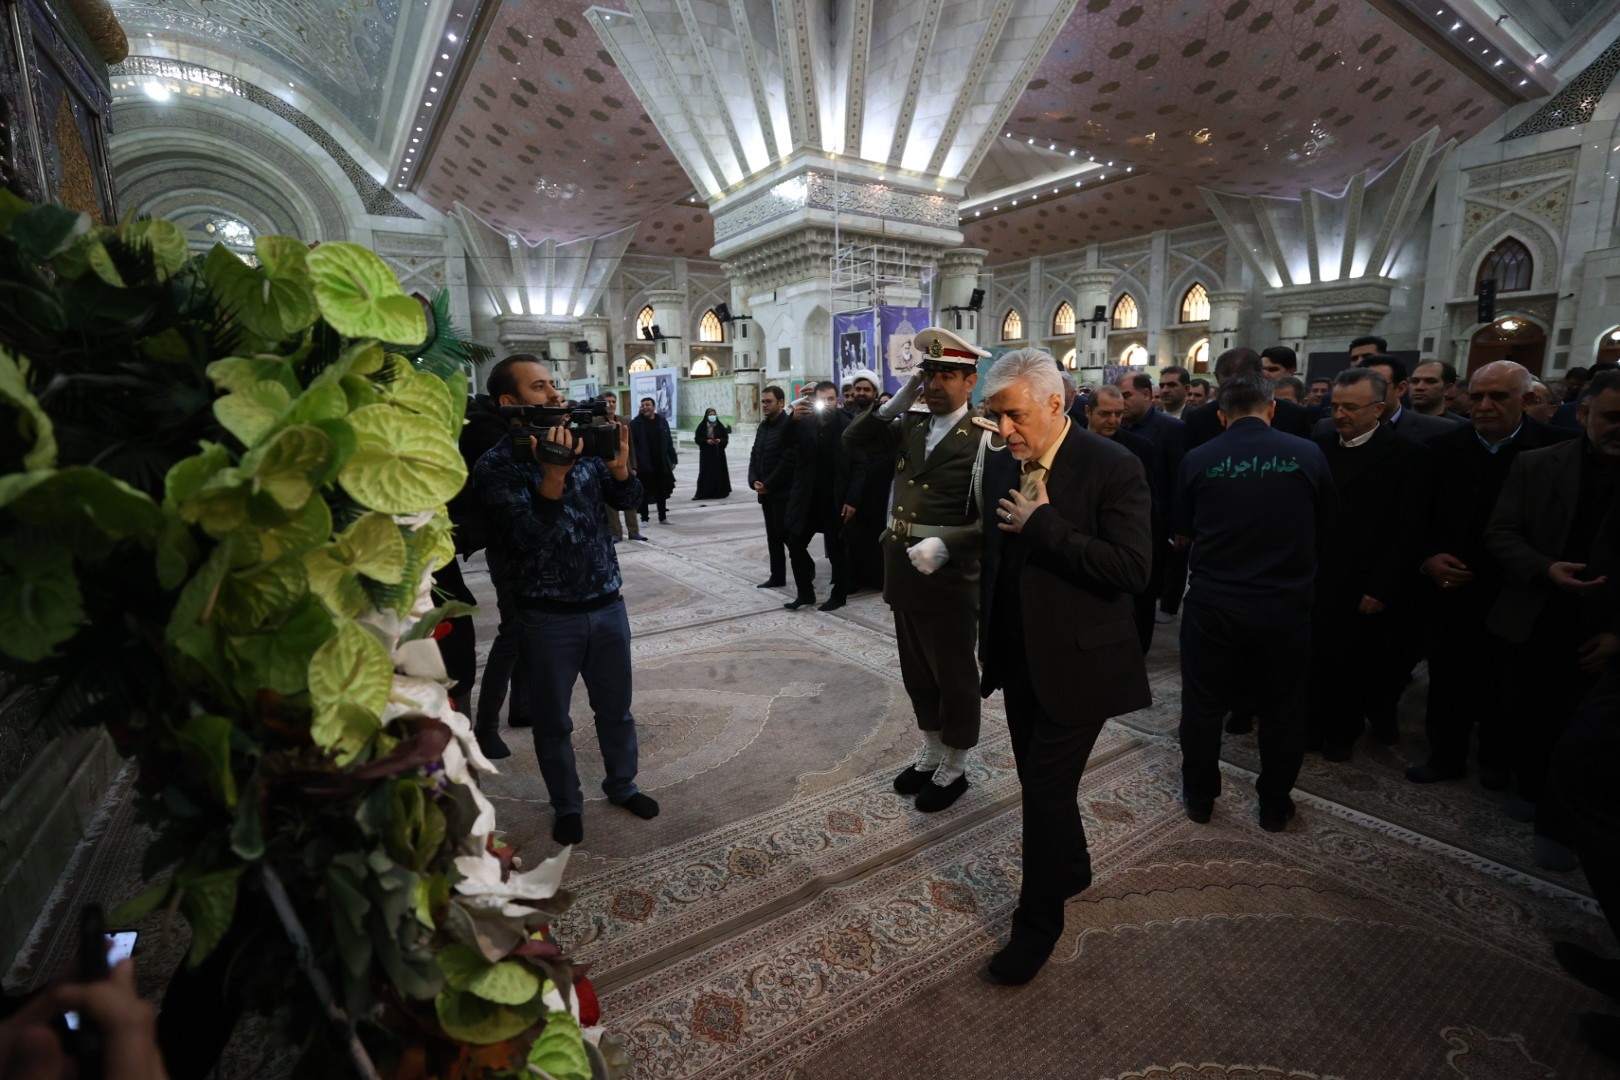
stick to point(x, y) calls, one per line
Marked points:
point(1359, 440)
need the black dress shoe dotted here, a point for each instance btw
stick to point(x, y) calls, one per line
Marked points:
point(1428, 774)
point(799, 601)
point(771, 584)
point(936, 797)
point(1019, 961)
point(492, 745)
point(1199, 807)
point(1275, 817)
point(912, 780)
point(568, 829)
point(834, 602)
point(1239, 725)
point(1586, 966)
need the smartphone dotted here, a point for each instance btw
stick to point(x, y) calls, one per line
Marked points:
point(119, 945)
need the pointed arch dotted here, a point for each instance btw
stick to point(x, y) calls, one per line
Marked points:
point(641, 363)
point(1543, 247)
point(1509, 264)
point(1126, 315)
point(710, 328)
point(703, 368)
point(1134, 356)
point(1195, 304)
point(644, 322)
point(1063, 320)
point(1012, 326)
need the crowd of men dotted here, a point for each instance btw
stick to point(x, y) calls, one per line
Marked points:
point(1317, 540)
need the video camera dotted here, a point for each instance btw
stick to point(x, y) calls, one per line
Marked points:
point(586, 421)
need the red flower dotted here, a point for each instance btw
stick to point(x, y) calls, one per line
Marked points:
point(590, 1010)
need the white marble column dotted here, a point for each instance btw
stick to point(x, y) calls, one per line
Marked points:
point(1092, 289)
point(669, 315)
point(953, 287)
point(1225, 327)
point(599, 364)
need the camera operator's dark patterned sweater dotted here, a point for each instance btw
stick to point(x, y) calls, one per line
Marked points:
point(559, 551)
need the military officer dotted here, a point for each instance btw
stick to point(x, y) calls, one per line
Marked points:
point(931, 556)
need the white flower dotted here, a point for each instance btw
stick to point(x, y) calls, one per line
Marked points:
point(481, 883)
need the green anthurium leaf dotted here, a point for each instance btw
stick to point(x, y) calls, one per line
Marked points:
point(430, 893)
point(40, 603)
point(187, 477)
point(343, 444)
point(434, 543)
point(102, 265)
point(360, 297)
point(261, 594)
point(236, 373)
point(42, 232)
point(176, 550)
point(335, 583)
point(278, 657)
point(425, 626)
point(402, 463)
point(167, 347)
point(192, 631)
point(247, 834)
point(220, 507)
point(208, 903)
point(360, 391)
point(375, 547)
point(205, 740)
point(429, 396)
point(349, 679)
point(472, 1019)
point(168, 244)
point(560, 1049)
point(33, 427)
point(283, 257)
point(510, 982)
point(272, 306)
point(309, 527)
point(358, 358)
point(141, 905)
point(459, 963)
point(323, 401)
point(87, 510)
point(289, 466)
point(253, 410)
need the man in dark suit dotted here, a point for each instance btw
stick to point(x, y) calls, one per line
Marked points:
point(1258, 504)
point(1365, 583)
point(1407, 423)
point(1105, 416)
point(1072, 546)
point(862, 543)
point(1431, 381)
point(1558, 610)
point(770, 474)
point(931, 556)
point(1204, 423)
point(827, 482)
point(1472, 463)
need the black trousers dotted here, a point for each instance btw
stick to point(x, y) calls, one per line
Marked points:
point(1583, 769)
point(1359, 665)
point(775, 511)
point(1175, 581)
point(1051, 757)
point(1463, 676)
point(1225, 655)
point(647, 504)
point(804, 564)
point(1538, 707)
point(501, 669)
point(459, 647)
point(939, 666)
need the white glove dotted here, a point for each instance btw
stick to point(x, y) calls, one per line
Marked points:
point(928, 555)
point(897, 405)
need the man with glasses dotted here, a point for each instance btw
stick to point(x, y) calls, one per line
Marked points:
point(931, 557)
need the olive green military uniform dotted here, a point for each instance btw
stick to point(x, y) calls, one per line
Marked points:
point(935, 615)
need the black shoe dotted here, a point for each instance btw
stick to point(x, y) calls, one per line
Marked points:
point(568, 829)
point(663, 519)
point(643, 806)
point(834, 602)
point(1079, 878)
point(1239, 725)
point(771, 584)
point(1275, 818)
point(518, 720)
point(493, 746)
point(1428, 774)
point(912, 780)
point(936, 797)
point(1494, 779)
point(638, 536)
point(1586, 966)
point(1602, 1033)
point(799, 601)
point(1199, 807)
point(1019, 961)
point(1337, 751)
point(1384, 734)
point(644, 517)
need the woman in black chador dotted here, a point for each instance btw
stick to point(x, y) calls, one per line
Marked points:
point(714, 479)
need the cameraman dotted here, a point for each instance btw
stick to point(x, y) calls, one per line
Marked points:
point(544, 510)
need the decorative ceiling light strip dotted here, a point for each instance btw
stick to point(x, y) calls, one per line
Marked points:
point(465, 27)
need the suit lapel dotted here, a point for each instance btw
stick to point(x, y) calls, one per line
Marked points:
point(1066, 467)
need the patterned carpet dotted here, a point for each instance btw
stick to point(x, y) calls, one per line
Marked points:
point(787, 915)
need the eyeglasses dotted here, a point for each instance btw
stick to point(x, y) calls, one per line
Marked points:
point(1351, 410)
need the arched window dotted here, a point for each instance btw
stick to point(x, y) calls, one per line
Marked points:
point(1509, 263)
point(703, 367)
point(644, 322)
point(1012, 326)
point(1198, 358)
point(1071, 360)
point(1134, 356)
point(1126, 315)
point(1195, 305)
point(710, 328)
point(1063, 320)
point(641, 363)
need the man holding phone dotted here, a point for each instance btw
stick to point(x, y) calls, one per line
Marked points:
point(545, 509)
point(931, 556)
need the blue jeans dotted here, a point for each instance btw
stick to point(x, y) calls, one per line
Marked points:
point(554, 650)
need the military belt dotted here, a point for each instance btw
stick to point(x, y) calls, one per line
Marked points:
point(910, 530)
